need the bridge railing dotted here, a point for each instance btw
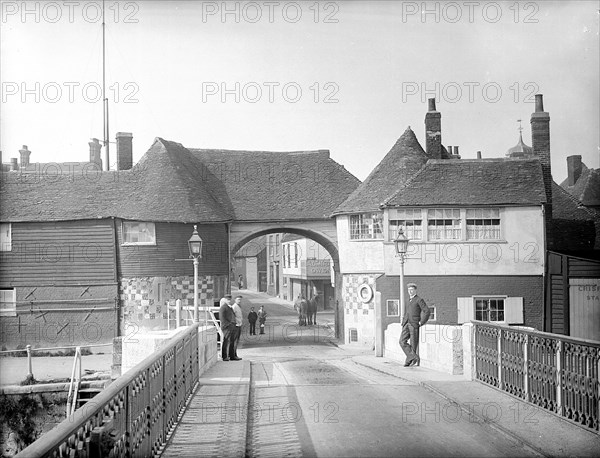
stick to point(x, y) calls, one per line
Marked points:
point(554, 372)
point(134, 414)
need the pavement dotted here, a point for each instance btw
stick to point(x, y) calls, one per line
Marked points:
point(228, 384)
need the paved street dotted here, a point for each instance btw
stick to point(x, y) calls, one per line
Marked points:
point(309, 398)
point(297, 392)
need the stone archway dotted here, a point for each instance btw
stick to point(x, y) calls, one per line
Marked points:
point(322, 232)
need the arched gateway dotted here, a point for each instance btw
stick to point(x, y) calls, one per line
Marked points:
point(112, 246)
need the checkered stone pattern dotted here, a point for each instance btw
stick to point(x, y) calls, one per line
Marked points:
point(350, 293)
point(145, 301)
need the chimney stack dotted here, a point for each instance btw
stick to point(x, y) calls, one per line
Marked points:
point(574, 169)
point(14, 165)
point(124, 151)
point(25, 153)
point(95, 155)
point(433, 132)
point(540, 141)
point(478, 154)
point(456, 155)
point(450, 151)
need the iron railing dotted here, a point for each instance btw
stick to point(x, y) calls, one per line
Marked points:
point(134, 415)
point(554, 372)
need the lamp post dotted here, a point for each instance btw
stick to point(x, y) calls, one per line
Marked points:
point(401, 244)
point(195, 246)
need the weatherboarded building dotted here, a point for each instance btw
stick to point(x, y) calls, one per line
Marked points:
point(88, 255)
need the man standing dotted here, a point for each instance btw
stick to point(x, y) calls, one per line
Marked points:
point(415, 316)
point(252, 317)
point(239, 320)
point(227, 319)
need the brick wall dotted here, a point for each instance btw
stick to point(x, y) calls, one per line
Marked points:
point(441, 292)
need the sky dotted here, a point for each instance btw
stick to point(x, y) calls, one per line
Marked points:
point(347, 76)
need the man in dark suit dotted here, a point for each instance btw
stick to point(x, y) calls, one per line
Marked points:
point(416, 315)
point(227, 319)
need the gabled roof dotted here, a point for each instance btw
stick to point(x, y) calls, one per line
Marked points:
point(473, 182)
point(587, 188)
point(174, 184)
point(404, 159)
point(263, 185)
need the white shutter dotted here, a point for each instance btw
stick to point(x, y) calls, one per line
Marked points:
point(513, 310)
point(466, 309)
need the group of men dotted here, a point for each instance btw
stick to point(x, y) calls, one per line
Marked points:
point(231, 318)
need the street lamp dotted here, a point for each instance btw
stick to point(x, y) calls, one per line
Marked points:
point(195, 246)
point(401, 244)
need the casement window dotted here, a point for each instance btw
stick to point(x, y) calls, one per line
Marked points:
point(8, 302)
point(366, 226)
point(501, 309)
point(5, 237)
point(446, 224)
point(409, 219)
point(138, 233)
point(393, 307)
point(483, 224)
point(443, 224)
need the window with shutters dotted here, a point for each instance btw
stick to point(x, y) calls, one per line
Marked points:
point(5, 237)
point(501, 309)
point(8, 302)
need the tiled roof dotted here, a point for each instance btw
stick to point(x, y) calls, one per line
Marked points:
point(587, 187)
point(575, 228)
point(473, 182)
point(404, 159)
point(262, 185)
point(173, 183)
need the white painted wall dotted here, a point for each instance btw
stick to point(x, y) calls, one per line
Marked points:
point(358, 256)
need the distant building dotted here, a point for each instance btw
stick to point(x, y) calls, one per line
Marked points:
point(307, 270)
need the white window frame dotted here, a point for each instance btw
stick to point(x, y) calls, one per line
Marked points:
point(5, 237)
point(366, 226)
point(486, 223)
point(449, 222)
point(432, 314)
point(513, 308)
point(406, 218)
point(395, 304)
point(151, 228)
point(8, 302)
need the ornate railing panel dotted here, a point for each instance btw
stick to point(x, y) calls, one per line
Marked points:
point(134, 415)
point(486, 363)
point(555, 372)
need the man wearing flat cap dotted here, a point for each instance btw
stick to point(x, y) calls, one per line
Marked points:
point(416, 315)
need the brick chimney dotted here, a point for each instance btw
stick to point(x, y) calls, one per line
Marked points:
point(574, 169)
point(95, 155)
point(14, 165)
point(25, 153)
point(540, 141)
point(433, 132)
point(124, 151)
